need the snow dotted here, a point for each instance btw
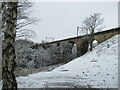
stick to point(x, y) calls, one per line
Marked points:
point(96, 69)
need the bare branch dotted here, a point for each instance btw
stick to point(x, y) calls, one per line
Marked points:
point(24, 19)
point(25, 33)
point(26, 22)
point(92, 23)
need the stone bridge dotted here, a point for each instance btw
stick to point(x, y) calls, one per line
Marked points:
point(82, 42)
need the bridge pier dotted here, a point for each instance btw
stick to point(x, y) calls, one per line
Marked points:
point(78, 50)
point(82, 47)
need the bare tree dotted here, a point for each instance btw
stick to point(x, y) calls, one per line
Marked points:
point(9, 17)
point(24, 19)
point(92, 24)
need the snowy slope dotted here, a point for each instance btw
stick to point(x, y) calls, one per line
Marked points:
point(98, 69)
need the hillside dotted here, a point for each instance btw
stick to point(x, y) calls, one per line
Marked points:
point(31, 56)
point(96, 69)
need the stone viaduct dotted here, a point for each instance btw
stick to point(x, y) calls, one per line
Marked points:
point(83, 41)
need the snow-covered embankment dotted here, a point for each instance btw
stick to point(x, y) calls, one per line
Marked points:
point(97, 69)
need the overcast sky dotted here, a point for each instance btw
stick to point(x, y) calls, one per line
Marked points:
point(60, 20)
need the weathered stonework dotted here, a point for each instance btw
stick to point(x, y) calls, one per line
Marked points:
point(81, 40)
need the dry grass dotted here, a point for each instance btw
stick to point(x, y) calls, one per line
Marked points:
point(32, 71)
point(27, 72)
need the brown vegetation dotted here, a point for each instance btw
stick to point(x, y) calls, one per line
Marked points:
point(26, 72)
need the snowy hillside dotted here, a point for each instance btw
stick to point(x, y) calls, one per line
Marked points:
point(98, 69)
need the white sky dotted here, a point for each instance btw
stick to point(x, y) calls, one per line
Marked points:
point(60, 19)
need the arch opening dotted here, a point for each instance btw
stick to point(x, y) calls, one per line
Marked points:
point(84, 47)
point(71, 42)
point(95, 43)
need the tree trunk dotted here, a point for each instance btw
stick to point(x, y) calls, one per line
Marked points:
point(91, 44)
point(9, 16)
point(91, 40)
point(0, 42)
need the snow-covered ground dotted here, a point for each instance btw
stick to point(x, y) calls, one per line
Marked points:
point(97, 69)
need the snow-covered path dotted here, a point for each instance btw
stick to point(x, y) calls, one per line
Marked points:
point(47, 79)
point(98, 69)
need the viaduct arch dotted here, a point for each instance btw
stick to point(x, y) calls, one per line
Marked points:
point(83, 41)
